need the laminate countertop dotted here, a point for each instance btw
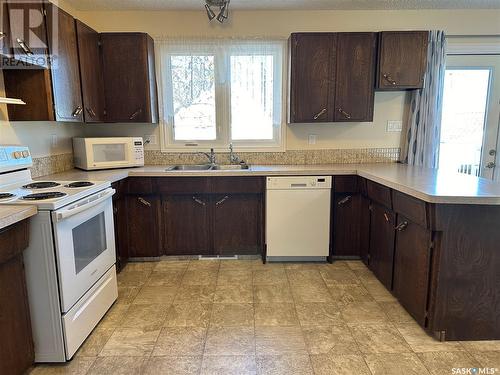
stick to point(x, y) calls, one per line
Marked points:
point(430, 185)
point(11, 214)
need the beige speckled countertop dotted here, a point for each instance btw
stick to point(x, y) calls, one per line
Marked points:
point(11, 214)
point(430, 185)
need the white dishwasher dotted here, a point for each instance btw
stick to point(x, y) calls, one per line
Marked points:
point(298, 218)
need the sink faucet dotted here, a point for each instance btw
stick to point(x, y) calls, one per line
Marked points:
point(233, 158)
point(210, 156)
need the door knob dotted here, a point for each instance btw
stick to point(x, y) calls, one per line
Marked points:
point(492, 152)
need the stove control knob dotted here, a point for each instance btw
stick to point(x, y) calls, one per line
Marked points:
point(25, 154)
point(17, 155)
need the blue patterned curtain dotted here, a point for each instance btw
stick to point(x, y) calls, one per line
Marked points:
point(424, 116)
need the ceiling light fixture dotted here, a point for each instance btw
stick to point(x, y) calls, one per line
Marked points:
point(223, 6)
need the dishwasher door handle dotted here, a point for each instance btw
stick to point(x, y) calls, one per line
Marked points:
point(298, 185)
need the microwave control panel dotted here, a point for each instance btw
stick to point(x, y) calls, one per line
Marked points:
point(138, 150)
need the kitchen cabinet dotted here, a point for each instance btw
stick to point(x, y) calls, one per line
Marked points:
point(313, 58)
point(412, 267)
point(5, 39)
point(402, 59)
point(382, 235)
point(238, 224)
point(144, 223)
point(133, 99)
point(121, 223)
point(187, 224)
point(346, 232)
point(16, 343)
point(355, 77)
point(92, 79)
point(64, 67)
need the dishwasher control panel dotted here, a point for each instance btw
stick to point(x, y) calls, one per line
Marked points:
point(299, 182)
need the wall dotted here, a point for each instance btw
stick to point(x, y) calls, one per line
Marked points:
point(388, 106)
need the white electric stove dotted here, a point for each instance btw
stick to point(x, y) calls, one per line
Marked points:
point(70, 261)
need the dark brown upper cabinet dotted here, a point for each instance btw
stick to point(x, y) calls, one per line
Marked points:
point(313, 57)
point(129, 77)
point(28, 32)
point(402, 59)
point(354, 86)
point(5, 39)
point(332, 77)
point(92, 78)
point(65, 71)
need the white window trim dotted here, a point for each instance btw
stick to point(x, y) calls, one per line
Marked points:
point(167, 143)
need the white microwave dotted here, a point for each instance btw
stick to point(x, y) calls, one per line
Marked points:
point(108, 153)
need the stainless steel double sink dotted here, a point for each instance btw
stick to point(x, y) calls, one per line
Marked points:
point(208, 167)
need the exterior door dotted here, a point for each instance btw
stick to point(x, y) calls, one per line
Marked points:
point(471, 113)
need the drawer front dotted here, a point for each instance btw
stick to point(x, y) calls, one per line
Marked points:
point(139, 185)
point(13, 240)
point(346, 184)
point(182, 185)
point(235, 185)
point(88, 311)
point(412, 208)
point(379, 193)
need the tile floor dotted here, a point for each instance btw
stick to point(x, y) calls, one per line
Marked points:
point(243, 317)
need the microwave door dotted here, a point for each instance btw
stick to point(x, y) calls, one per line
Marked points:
point(111, 154)
point(85, 245)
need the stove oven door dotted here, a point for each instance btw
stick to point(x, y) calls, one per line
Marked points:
point(85, 245)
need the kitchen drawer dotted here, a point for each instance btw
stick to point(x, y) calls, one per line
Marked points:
point(13, 240)
point(139, 185)
point(235, 185)
point(346, 184)
point(379, 193)
point(412, 208)
point(182, 185)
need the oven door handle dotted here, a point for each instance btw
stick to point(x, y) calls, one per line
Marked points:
point(89, 203)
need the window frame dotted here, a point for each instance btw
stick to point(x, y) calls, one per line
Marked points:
point(222, 52)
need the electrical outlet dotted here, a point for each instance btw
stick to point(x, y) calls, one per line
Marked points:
point(394, 126)
point(54, 140)
point(312, 139)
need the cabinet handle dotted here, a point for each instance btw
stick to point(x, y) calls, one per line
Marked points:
point(77, 112)
point(91, 112)
point(2, 35)
point(389, 79)
point(218, 203)
point(135, 114)
point(199, 201)
point(320, 113)
point(386, 217)
point(344, 113)
point(345, 200)
point(402, 226)
point(144, 202)
point(24, 47)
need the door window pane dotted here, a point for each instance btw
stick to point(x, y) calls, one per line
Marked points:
point(464, 112)
point(193, 85)
point(252, 101)
point(89, 241)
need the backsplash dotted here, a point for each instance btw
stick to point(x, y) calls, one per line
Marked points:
point(51, 164)
point(59, 163)
point(290, 157)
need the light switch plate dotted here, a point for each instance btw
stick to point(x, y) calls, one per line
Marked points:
point(394, 126)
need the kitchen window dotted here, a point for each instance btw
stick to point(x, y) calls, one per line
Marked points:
point(217, 92)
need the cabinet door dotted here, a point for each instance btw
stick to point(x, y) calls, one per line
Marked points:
point(187, 225)
point(238, 222)
point(364, 240)
point(65, 69)
point(382, 235)
point(346, 228)
point(143, 225)
point(28, 32)
point(121, 224)
point(354, 84)
point(91, 72)
point(411, 267)
point(5, 37)
point(313, 57)
point(402, 59)
point(133, 99)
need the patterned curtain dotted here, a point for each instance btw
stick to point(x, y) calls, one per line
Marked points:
point(424, 117)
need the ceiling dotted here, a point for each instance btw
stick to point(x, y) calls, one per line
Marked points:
point(285, 4)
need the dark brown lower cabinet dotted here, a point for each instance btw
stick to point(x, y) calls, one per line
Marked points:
point(238, 224)
point(144, 222)
point(187, 224)
point(16, 343)
point(412, 267)
point(346, 228)
point(120, 221)
point(382, 233)
point(364, 223)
